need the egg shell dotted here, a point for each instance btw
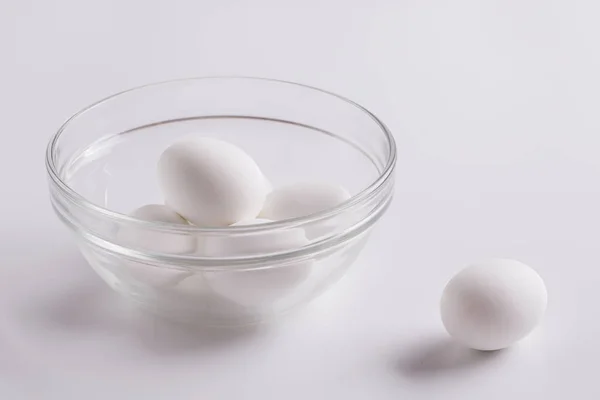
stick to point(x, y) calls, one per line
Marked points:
point(210, 182)
point(257, 287)
point(151, 240)
point(156, 276)
point(255, 243)
point(494, 304)
point(154, 240)
point(268, 185)
point(302, 199)
point(193, 285)
point(193, 299)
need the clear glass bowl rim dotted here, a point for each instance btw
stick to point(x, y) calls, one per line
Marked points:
point(66, 190)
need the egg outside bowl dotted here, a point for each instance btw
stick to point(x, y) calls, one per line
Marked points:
point(102, 164)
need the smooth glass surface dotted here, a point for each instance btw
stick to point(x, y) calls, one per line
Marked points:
point(102, 165)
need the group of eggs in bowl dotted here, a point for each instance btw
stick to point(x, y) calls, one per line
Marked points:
point(203, 268)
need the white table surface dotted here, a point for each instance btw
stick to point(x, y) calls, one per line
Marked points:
point(495, 108)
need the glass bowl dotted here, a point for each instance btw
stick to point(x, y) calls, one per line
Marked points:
point(102, 164)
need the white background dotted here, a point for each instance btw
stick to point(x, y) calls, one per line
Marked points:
point(495, 108)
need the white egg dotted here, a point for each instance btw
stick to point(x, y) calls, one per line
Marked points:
point(492, 305)
point(152, 240)
point(155, 240)
point(268, 185)
point(192, 286)
point(210, 182)
point(304, 199)
point(192, 299)
point(156, 276)
point(257, 287)
point(253, 221)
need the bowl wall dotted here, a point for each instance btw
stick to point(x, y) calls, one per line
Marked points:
point(102, 164)
point(237, 297)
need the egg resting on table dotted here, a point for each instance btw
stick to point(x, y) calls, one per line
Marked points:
point(494, 304)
